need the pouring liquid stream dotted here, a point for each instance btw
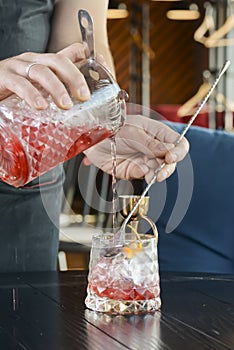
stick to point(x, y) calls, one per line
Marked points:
point(114, 185)
point(121, 234)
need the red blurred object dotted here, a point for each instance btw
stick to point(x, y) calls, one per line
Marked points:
point(169, 112)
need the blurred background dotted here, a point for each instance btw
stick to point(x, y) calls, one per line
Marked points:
point(164, 54)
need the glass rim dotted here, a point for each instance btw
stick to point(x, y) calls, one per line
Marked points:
point(143, 237)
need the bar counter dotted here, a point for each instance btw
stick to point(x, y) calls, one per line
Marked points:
point(46, 311)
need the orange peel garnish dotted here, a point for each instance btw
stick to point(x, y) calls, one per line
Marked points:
point(135, 247)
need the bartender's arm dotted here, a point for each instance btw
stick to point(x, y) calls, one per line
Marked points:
point(65, 28)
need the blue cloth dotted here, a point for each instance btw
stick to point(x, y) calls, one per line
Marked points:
point(200, 225)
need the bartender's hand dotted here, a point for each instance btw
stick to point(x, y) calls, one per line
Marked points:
point(142, 145)
point(55, 72)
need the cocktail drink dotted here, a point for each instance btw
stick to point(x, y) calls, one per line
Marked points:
point(123, 279)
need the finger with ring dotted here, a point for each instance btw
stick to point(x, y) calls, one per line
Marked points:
point(27, 70)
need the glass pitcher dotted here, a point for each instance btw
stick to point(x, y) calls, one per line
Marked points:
point(33, 142)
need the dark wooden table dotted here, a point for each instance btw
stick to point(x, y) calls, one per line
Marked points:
point(46, 311)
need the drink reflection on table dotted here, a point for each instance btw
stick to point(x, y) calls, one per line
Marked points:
point(127, 329)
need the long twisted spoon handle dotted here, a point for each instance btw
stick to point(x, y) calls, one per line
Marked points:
point(213, 86)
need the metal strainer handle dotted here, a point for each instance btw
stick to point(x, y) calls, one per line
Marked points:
point(87, 34)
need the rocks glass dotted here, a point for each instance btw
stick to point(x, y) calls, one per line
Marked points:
point(124, 278)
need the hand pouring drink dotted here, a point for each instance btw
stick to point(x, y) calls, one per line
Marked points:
point(33, 142)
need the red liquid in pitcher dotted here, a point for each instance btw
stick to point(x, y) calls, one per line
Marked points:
point(46, 145)
point(55, 144)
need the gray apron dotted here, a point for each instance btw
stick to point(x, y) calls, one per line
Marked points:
point(29, 216)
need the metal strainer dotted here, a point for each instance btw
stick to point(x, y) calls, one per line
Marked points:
point(106, 95)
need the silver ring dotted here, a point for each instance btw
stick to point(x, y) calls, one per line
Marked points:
point(27, 70)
